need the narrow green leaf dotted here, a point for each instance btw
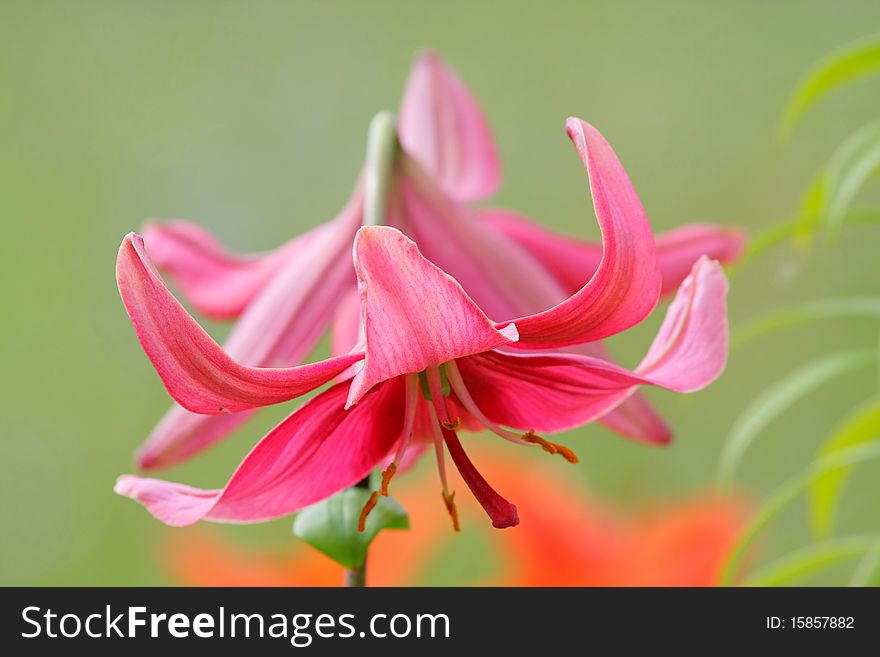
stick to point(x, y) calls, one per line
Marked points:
point(849, 63)
point(785, 495)
point(330, 526)
point(848, 169)
point(813, 559)
point(798, 228)
point(814, 204)
point(862, 427)
point(867, 572)
point(846, 308)
point(773, 401)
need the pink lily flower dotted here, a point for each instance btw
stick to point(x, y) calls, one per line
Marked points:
point(508, 264)
point(430, 363)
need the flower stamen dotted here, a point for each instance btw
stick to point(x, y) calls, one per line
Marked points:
point(412, 391)
point(371, 503)
point(464, 396)
point(549, 447)
point(438, 449)
point(449, 501)
point(448, 497)
point(387, 474)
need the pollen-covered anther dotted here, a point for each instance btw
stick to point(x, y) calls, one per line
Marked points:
point(453, 425)
point(387, 475)
point(371, 503)
point(449, 501)
point(551, 448)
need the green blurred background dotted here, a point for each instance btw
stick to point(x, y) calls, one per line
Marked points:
point(250, 117)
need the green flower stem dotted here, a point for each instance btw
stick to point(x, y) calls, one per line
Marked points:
point(357, 577)
point(382, 150)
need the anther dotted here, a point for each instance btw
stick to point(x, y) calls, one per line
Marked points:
point(387, 474)
point(551, 448)
point(453, 425)
point(449, 501)
point(371, 503)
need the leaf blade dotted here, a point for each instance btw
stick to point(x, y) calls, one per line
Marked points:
point(773, 401)
point(813, 559)
point(860, 428)
point(839, 308)
point(851, 62)
point(330, 526)
point(784, 495)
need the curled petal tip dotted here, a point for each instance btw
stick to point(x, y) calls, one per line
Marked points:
point(124, 485)
point(510, 332)
point(441, 124)
point(196, 371)
point(428, 55)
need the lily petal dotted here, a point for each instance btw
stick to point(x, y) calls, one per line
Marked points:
point(181, 434)
point(573, 261)
point(415, 315)
point(496, 272)
point(553, 392)
point(317, 451)
point(442, 126)
point(626, 284)
point(634, 417)
point(502, 275)
point(690, 349)
point(280, 327)
point(196, 371)
point(218, 283)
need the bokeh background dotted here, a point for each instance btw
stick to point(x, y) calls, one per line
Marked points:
point(251, 119)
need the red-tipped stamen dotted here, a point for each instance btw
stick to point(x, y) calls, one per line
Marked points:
point(371, 502)
point(502, 512)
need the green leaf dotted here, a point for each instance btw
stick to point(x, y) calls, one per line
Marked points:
point(330, 526)
point(860, 428)
point(849, 63)
point(785, 495)
point(800, 229)
point(867, 572)
point(813, 559)
point(811, 212)
point(848, 169)
point(845, 308)
point(773, 401)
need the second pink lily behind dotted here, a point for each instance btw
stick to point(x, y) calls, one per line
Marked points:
point(430, 362)
point(285, 300)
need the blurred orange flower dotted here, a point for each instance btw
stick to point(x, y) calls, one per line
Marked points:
point(570, 539)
